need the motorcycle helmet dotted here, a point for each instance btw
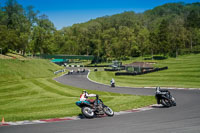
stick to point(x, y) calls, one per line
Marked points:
point(158, 87)
point(84, 91)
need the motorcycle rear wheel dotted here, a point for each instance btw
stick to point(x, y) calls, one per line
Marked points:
point(108, 111)
point(87, 112)
point(165, 102)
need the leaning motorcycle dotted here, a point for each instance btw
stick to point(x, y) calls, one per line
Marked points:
point(91, 109)
point(112, 84)
point(164, 97)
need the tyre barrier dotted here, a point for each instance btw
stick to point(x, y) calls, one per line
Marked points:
point(116, 69)
point(98, 66)
point(74, 65)
point(111, 70)
point(140, 73)
point(78, 72)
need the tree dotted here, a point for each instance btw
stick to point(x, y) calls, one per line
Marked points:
point(143, 41)
point(8, 38)
point(193, 19)
point(177, 35)
point(126, 39)
point(153, 42)
point(13, 12)
point(163, 37)
point(43, 36)
point(166, 29)
point(108, 42)
point(31, 15)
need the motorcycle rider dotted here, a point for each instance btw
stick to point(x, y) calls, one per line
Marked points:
point(90, 110)
point(112, 81)
point(161, 92)
point(84, 96)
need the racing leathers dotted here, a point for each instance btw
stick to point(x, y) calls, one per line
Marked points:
point(84, 96)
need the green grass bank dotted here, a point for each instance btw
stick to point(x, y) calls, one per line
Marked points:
point(183, 71)
point(27, 92)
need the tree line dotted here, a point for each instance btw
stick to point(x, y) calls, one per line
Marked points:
point(22, 30)
point(170, 29)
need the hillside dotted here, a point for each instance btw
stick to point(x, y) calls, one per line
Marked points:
point(28, 92)
point(14, 69)
point(183, 71)
point(171, 29)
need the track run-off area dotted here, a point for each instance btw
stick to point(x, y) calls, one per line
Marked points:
point(183, 118)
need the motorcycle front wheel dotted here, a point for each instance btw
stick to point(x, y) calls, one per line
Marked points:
point(173, 102)
point(87, 112)
point(108, 111)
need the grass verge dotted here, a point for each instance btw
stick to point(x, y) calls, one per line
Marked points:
point(183, 71)
point(28, 92)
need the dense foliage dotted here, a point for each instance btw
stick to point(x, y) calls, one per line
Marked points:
point(22, 30)
point(170, 29)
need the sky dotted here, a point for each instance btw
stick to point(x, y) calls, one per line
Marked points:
point(65, 13)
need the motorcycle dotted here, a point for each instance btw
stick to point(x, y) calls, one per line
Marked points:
point(112, 84)
point(164, 97)
point(90, 109)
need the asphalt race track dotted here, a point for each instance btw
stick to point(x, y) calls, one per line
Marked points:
point(184, 118)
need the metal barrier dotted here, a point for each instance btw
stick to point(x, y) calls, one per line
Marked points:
point(59, 71)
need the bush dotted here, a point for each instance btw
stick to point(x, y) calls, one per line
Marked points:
point(125, 58)
point(111, 70)
point(159, 57)
point(148, 58)
point(156, 57)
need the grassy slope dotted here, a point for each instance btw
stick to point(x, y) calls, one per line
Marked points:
point(28, 92)
point(183, 71)
point(12, 69)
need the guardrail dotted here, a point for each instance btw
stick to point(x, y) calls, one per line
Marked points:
point(97, 66)
point(59, 71)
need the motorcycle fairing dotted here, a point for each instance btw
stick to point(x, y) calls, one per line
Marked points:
point(78, 103)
